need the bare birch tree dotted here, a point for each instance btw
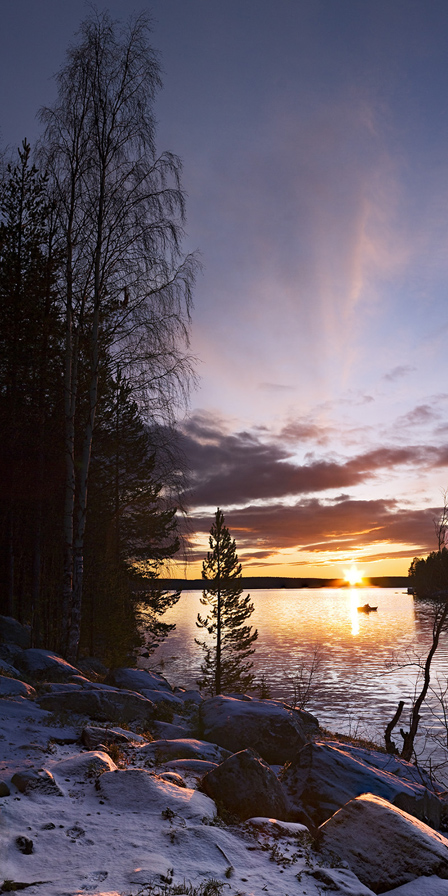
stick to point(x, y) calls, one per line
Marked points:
point(127, 287)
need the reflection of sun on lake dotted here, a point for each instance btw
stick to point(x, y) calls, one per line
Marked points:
point(365, 667)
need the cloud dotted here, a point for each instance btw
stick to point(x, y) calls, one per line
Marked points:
point(313, 526)
point(397, 373)
point(237, 468)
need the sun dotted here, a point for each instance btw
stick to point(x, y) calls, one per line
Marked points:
point(353, 576)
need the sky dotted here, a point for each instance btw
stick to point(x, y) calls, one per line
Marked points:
point(314, 140)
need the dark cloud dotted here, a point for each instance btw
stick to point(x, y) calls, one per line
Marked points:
point(315, 526)
point(239, 468)
point(419, 416)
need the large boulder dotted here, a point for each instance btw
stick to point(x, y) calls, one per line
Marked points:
point(384, 846)
point(44, 664)
point(246, 786)
point(12, 687)
point(138, 680)
point(269, 727)
point(323, 777)
point(83, 766)
point(103, 705)
point(40, 780)
point(137, 789)
point(15, 633)
point(161, 751)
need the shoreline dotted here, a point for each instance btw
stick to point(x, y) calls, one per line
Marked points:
point(276, 582)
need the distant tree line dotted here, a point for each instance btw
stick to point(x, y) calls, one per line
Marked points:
point(95, 297)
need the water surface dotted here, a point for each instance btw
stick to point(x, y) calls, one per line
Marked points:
point(368, 662)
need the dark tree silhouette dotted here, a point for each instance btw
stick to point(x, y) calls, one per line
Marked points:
point(226, 665)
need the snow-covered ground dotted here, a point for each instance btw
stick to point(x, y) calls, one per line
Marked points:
point(123, 821)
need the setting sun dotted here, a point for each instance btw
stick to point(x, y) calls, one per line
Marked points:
point(353, 576)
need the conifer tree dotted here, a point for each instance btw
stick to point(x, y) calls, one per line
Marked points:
point(226, 665)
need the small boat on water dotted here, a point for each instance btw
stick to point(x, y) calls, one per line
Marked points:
point(367, 609)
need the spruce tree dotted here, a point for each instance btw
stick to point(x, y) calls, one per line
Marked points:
point(226, 665)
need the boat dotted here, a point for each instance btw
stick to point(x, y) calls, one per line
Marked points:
point(367, 609)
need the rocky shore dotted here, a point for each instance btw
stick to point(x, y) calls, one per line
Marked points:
point(117, 784)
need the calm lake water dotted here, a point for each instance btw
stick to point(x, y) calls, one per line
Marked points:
point(368, 662)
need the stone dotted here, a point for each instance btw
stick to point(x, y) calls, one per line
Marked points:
point(383, 845)
point(246, 786)
point(103, 705)
point(134, 789)
point(12, 687)
point(138, 680)
point(36, 779)
point(44, 664)
point(14, 632)
point(161, 751)
point(269, 727)
point(323, 777)
point(83, 766)
point(91, 736)
point(4, 789)
point(25, 845)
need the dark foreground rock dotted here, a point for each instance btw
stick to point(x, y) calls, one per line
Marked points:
point(103, 705)
point(322, 778)
point(384, 846)
point(44, 665)
point(246, 786)
point(268, 727)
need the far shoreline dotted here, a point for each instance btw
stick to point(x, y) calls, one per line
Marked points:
point(277, 582)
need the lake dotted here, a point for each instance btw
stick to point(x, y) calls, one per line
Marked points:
point(367, 662)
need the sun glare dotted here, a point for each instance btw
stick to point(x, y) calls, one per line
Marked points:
point(353, 575)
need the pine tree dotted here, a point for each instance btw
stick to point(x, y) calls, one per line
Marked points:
point(226, 665)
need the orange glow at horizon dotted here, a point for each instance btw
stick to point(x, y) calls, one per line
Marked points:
point(353, 575)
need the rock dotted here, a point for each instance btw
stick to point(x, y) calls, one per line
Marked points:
point(25, 845)
point(189, 696)
point(104, 705)
point(173, 778)
point(138, 680)
point(161, 696)
point(8, 669)
point(161, 751)
point(168, 731)
point(93, 666)
point(322, 778)
point(136, 789)
point(14, 632)
point(384, 846)
point(84, 766)
point(12, 687)
point(4, 789)
point(269, 727)
point(246, 786)
point(44, 664)
point(92, 736)
point(36, 779)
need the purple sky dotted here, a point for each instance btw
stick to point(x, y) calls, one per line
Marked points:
point(314, 135)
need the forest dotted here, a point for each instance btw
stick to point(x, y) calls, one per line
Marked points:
point(95, 300)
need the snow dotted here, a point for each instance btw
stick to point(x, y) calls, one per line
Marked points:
point(113, 831)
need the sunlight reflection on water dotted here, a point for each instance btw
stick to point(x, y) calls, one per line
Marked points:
point(368, 660)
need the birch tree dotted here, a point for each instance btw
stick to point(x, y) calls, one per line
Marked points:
point(127, 286)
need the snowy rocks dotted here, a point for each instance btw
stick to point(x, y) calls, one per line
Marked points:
point(12, 687)
point(246, 786)
point(85, 766)
point(384, 846)
point(161, 751)
point(139, 680)
point(44, 664)
point(322, 778)
point(100, 704)
point(39, 780)
point(15, 633)
point(271, 728)
point(92, 736)
point(140, 790)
